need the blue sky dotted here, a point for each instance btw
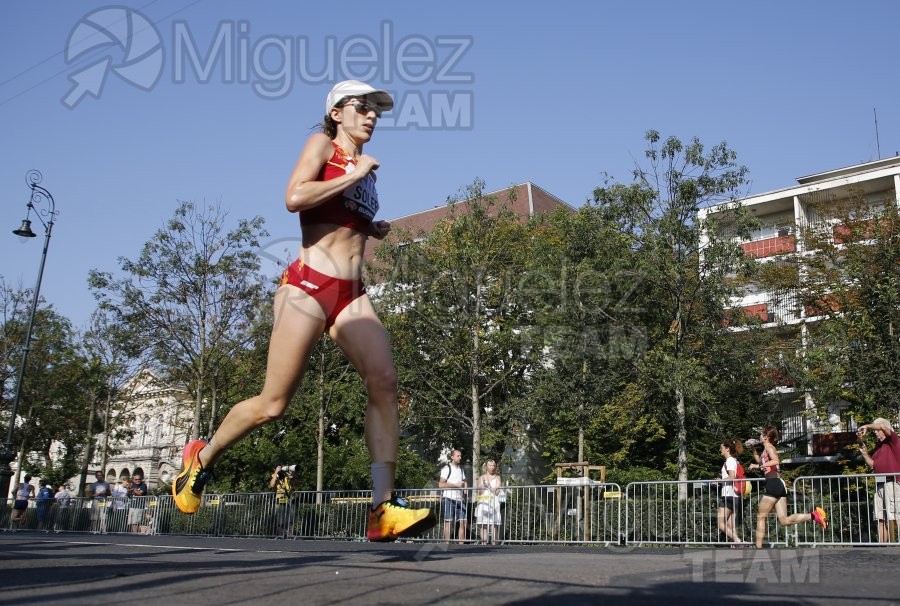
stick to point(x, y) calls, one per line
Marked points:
point(549, 92)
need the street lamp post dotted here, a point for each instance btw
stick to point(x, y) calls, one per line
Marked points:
point(39, 196)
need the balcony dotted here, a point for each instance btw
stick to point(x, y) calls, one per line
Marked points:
point(781, 307)
point(768, 247)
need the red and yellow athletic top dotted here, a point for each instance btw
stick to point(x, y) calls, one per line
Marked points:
point(763, 460)
point(355, 207)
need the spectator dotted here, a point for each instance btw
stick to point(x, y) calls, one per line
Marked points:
point(452, 480)
point(99, 492)
point(885, 459)
point(63, 499)
point(731, 507)
point(282, 480)
point(487, 510)
point(137, 504)
point(24, 492)
point(120, 494)
point(44, 504)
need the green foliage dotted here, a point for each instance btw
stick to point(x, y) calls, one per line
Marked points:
point(625, 476)
point(191, 295)
point(454, 317)
point(644, 351)
point(850, 282)
point(57, 385)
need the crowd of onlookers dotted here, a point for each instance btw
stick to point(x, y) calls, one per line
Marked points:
point(117, 507)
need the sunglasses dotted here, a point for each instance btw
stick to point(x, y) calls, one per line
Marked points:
point(364, 107)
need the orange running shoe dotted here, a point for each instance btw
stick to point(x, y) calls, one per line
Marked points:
point(395, 518)
point(188, 485)
point(819, 517)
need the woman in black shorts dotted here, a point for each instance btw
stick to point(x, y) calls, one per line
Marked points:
point(776, 494)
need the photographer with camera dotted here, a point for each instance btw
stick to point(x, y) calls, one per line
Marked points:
point(282, 481)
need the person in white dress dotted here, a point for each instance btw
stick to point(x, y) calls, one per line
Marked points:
point(487, 509)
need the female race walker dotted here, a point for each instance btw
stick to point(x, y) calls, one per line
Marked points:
point(332, 188)
point(776, 494)
point(730, 514)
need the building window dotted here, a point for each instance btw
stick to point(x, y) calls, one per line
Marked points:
point(145, 429)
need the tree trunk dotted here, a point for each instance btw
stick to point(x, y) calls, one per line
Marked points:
point(680, 411)
point(198, 404)
point(474, 367)
point(581, 414)
point(20, 455)
point(320, 433)
point(476, 431)
point(88, 450)
point(681, 416)
point(20, 459)
point(201, 360)
point(104, 453)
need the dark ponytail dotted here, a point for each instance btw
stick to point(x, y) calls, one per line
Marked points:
point(734, 446)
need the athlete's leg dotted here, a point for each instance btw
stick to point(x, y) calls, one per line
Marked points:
point(766, 503)
point(298, 324)
point(363, 339)
point(360, 334)
point(789, 520)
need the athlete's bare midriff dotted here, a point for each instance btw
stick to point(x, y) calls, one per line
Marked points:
point(333, 250)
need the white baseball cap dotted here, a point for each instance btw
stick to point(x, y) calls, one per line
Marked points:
point(883, 421)
point(355, 88)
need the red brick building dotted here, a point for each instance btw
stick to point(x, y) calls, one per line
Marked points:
point(526, 200)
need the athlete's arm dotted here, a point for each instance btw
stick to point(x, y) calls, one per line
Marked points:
point(304, 191)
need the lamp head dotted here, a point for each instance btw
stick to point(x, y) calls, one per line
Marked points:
point(25, 230)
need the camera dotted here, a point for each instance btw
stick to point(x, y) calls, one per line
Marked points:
point(284, 469)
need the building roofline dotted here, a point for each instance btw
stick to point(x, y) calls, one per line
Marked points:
point(557, 198)
point(849, 170)
point(850, 175)
point(486, 194)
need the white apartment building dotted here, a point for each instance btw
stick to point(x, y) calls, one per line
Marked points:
point(785, 215)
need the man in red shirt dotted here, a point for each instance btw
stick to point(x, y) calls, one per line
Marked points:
point(885, 459)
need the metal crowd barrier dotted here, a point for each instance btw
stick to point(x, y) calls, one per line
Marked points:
point(686, 513)
point(665, 513)
point(858, 512)
point(77, 514)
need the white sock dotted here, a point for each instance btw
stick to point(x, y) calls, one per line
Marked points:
point(209, 446)
point(382, 482)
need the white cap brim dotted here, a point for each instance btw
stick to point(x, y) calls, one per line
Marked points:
point(355, 88)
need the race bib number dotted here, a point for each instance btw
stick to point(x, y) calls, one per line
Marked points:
point(362, 198)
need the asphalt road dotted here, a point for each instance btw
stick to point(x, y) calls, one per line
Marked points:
point(38, 568)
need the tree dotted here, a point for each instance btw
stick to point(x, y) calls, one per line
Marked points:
point(116, 356)
point(14, 304)
point(849, 280)
point(51, 416)
point(454, 318)
point(685, 282)
point(581, 289)
point(191, 294)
